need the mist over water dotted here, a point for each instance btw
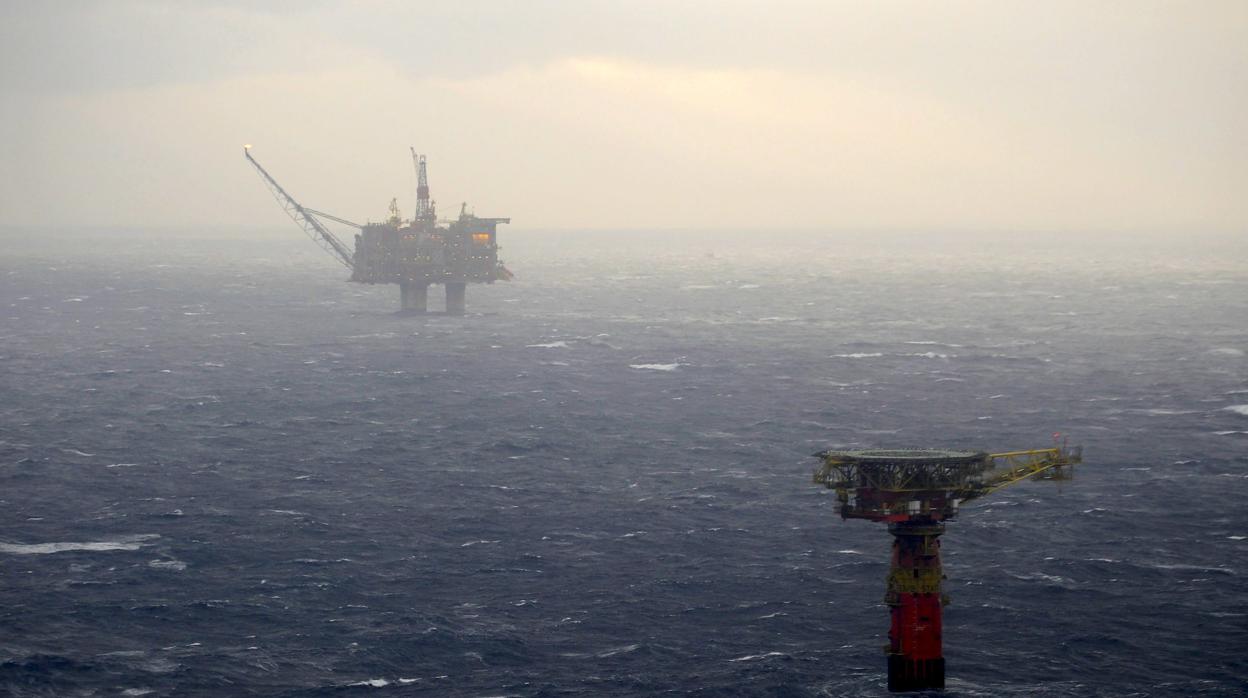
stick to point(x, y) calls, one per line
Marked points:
point(226, 471)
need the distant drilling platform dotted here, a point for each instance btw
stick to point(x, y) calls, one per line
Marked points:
point(915, 491)
point(413, 253)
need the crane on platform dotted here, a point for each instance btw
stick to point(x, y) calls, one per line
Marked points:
point(915, 491)
point(306, 218)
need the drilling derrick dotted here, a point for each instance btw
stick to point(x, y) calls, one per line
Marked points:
point(915, 492)
point(412, 253)
point(424, 209)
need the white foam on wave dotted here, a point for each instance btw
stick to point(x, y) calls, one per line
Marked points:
point(382, 683)
point(876, 354)
point(171, 565)
point(124, 543)
point(1227, 351)
point(622, 649)
point(1183, 567)
point(549, 345)
point(656, 367)
point(1039, 577)
point(1237, 409)
point(752, 657)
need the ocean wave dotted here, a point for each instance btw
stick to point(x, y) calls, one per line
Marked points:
point(603, 654)
point(1162, 412)
point(124, 543)
point(876, 354)
point(171, 565)
point(382, 683)
point(1041, 577)
point(84, 454)
point(657, 367)
point(1237, 409)
point(755, 657)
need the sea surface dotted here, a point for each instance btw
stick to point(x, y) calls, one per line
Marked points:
point(224, 471)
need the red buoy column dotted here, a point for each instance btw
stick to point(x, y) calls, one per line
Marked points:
point(915, 659)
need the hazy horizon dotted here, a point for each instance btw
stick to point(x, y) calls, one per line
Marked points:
point(1012, 118)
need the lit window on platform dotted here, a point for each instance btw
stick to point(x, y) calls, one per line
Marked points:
point(481, 238)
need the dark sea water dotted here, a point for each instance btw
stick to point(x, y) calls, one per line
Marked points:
point(226, 472)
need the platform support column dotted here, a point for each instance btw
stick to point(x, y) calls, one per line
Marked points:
point(414, 297)
point(915, 659)
point(455, 294)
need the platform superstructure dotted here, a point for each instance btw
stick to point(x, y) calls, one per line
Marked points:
point(414, 253)
point(915, 492)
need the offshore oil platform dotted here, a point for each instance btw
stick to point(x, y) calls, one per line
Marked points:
point(413, 253)
point(915, 492)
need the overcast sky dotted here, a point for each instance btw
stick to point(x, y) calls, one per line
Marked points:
point(1011, 116)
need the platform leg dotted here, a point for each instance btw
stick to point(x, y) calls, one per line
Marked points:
point(915, 657)
point(414, 297)
point(455, 298)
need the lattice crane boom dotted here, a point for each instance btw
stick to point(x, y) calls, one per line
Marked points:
point(305, 218)
point(333, 218)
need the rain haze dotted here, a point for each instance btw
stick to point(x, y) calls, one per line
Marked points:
point(558, 439)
